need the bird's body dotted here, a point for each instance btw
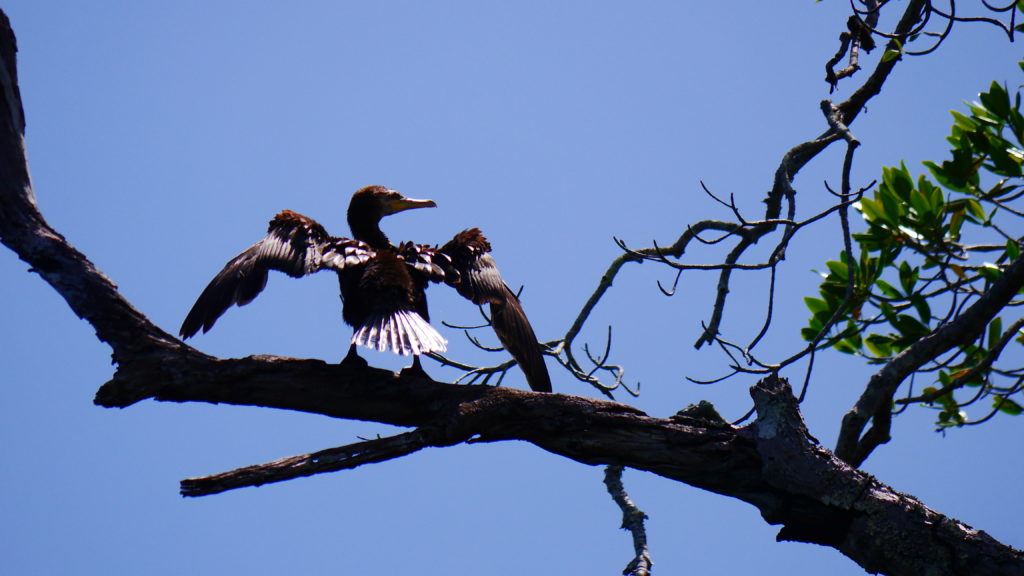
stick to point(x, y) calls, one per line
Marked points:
point(383, 286)
point(385, 301)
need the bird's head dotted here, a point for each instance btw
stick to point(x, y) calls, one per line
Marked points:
point(372, 203)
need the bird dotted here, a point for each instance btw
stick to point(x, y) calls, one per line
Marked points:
point(382, 285)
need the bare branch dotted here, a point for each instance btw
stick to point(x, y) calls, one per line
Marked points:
point(854, 105)
point(330, 460)
point(839, 118)
point(857, 35)
point(632, 520)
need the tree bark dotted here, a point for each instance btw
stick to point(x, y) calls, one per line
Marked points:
point(771, 463)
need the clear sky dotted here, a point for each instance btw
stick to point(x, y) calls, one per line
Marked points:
point(162, 137)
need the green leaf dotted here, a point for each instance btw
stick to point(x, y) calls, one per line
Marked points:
point(903, 183)
point(921, 305)
point(888, 289)
point(1000, 189)
point(944, 174)
point(838, 269)
point(886, 256)
point(1005, 158)
point(995, 330)
point(845, 346)
point(879, 345)
point(963, 121)
point(983, 115)
point(855, 339)
point(892, 206)
point(944, 378)
point(909, 327)
point(1012, 250)
point(990, 271)
point(871, 209)
point(996, 100)
point(933, 192)
point(833, 291)
point(951, 417)
point(975, 209)
point(908, 277)
point(888, 312)
point(921, 203)
point(1007, 406)
point(868, 268)
point(816, 305)
point(956, 222)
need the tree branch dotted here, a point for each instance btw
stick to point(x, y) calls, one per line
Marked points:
point(330, 460)
point(979, 369)
point(876, 400)
point(89, 293)
point(792, 162)
point(632, 520)
point(772, 463)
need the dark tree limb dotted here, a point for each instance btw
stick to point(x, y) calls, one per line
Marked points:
point(330, 460)
point(772, 463)
point(90, 294)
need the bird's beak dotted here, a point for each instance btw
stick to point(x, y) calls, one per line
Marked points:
point(400, 204)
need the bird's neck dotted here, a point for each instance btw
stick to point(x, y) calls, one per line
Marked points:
point(368, 231)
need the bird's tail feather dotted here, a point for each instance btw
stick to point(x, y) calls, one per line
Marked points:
point(403, 332)
point(514, 331)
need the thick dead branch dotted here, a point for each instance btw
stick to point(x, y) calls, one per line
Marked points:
point(772, 463)
point(89, 293)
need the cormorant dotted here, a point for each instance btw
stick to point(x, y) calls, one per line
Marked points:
point(382, 285)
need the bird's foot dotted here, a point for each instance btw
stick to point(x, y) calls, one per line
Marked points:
point(353, 359)
point(415, 370)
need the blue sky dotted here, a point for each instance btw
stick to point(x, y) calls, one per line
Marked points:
point(162, 137)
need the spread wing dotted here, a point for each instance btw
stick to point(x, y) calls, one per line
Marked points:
point(295, 245)
point(426, 262)
point(469, 267)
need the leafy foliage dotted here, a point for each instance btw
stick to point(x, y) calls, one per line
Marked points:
point(913, 269)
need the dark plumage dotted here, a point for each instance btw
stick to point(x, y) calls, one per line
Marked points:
point(478, 280)
point(383, 286)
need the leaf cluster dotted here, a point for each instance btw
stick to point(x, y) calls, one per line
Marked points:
point(913, 268)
